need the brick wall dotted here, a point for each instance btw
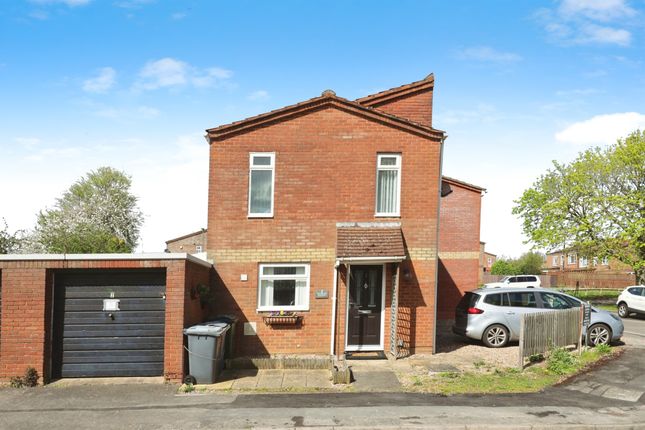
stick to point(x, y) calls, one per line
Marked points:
point(188, 243)
point(325, 173)
point(459, 247)
point(27, 302)
point(416, 107)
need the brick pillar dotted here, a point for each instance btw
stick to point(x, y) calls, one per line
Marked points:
point(174, 337)
point(23, 322)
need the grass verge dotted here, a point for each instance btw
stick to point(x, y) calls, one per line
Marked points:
point(559, 366)
point(590, 294)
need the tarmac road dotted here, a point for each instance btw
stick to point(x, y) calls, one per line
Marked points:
point(610, 397)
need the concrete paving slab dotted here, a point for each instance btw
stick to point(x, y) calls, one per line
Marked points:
point(622, 394)
point(375, 381)
point(295, 379)
point(245, 379)
point(318, 379)
point(270, 379)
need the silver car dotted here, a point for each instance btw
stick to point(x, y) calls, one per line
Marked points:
point(493, 315)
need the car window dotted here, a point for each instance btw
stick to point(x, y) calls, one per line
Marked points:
point(522, 300)
point(469, 300)
point(554, 301)
point(512, 279)
point(493, 299)
point(531, 279)
point(635, 291)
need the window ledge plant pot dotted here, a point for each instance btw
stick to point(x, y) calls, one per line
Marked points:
point(282, 319)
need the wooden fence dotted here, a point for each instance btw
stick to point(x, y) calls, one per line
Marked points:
point(542, 331)
point(578, 279)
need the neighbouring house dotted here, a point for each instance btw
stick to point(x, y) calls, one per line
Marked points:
point(323, 225)
point(192, 243)
point(486, 261)
point(459, 244)
point(569, 269)
point(557, 261)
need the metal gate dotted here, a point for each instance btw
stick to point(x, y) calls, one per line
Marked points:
point(108, 323)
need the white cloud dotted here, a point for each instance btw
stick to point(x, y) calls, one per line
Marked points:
point(70, 3)
point(602, 129)
point(487, 54)
point(585, 22)
point(178, 15)
point(169, 72)
point(40, 15)
point(600, 10)
point(258, 95)
point(102, 82)
point(591, 33)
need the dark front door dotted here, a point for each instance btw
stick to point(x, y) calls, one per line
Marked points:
point(365, 300)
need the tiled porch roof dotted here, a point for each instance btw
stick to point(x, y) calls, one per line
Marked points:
point(369, 241)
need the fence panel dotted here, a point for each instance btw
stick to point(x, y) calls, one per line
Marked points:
point(542, 331)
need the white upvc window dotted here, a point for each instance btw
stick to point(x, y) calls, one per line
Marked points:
point(605, 261)
point(283, 287)
point(556, 261)
point(388, 185)
point(572, 259)
point(584, 262)
point(198, 248)
point(261, 184)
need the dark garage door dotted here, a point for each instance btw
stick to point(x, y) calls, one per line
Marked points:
point(90, 341)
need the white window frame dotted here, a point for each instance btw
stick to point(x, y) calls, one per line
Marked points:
point(555, 262)
point(297, 307)
point(398, 169)
point(583, 262)
point(270, 167)
point(199, 248)
point(605, 261)
point(571, 259)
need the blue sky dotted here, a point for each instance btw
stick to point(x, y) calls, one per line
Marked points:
point(133, 84)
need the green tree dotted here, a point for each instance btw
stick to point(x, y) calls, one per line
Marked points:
point(97, 214)
point(9, 242)
point(530, 263)
point(595, 205)
point(503, 266)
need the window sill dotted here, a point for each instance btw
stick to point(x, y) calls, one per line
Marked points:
point(265, 216)
point(387, 215)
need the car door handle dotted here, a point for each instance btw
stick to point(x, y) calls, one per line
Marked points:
point(510, 313)
point(364, 311)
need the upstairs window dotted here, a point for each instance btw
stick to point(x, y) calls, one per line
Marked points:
point(261, 181)
point(584, 262)
point(388, 185)
point(572, 259)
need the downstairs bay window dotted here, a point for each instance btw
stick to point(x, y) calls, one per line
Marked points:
point(283, 287)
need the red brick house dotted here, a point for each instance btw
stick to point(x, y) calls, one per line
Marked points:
point(459, 245)
point(329, 209)
point(192, 243)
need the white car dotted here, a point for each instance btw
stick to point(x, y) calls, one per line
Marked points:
point(516, 281)
point(631, 301)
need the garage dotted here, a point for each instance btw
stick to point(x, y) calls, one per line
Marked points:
point(99, 315)
point(109, 323)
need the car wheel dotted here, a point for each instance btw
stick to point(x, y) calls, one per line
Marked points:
point(495, 336)
point(623, 310)
point(599, 334)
